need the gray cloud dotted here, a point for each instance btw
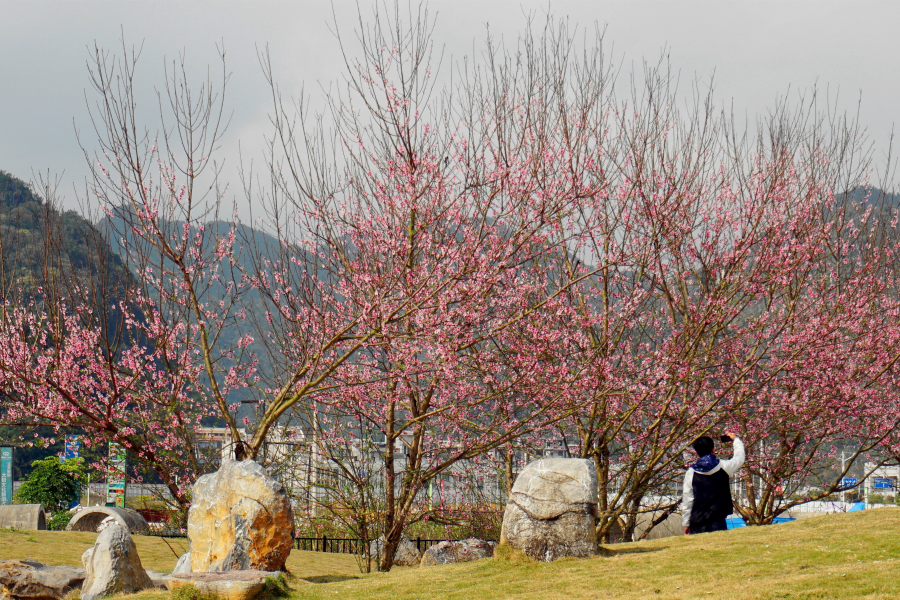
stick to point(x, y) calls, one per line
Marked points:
point(757, 51)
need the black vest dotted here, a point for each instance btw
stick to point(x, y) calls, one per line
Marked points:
point(712, 498)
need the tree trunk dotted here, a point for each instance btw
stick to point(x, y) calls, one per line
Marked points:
point(509, 461)
point(387, 558)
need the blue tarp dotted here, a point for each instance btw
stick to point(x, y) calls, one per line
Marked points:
point(857, 506)
point(735, 522)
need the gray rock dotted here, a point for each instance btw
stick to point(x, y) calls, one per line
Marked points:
point(112, 566)
point(31, 580)
point(225, 585)
point(552, 509)
point(183, 565)
point(406, 554)
point(446, 553)
point(240, 518)
point(105, 523)
point(157, 579)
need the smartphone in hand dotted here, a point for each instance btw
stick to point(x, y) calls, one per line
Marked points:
point(725, 439)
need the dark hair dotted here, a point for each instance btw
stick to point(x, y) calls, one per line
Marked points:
point(703, 445)
point(240, 451)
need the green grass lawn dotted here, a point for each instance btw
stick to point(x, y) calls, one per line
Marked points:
point(853, 555)
point(66, 548)
point(840, 556)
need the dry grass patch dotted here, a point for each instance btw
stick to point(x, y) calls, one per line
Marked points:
point(512, 556)
point(66, 548)
point(158, 554)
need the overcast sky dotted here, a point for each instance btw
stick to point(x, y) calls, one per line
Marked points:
point(757, 50)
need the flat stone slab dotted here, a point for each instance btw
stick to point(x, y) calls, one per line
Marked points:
point(31, 580)
point(158, 579)
point(226, 585)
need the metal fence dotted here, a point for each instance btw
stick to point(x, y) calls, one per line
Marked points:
point(351, 545)
point(326, 544)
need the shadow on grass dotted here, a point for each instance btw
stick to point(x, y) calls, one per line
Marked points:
point(610, 552)
point(328, 578)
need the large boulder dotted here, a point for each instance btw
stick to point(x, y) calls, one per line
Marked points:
point(31, 580)
point(240, 518)
point(552, 509)
point(445, 553)
point(406, 554)
point(112, 566)
point(229, 585)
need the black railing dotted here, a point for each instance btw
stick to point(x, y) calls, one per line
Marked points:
point(327, 544)
point(351, 545)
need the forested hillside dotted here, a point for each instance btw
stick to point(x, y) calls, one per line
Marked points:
point(44, 250)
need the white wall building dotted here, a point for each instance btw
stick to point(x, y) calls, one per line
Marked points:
point(882, 480)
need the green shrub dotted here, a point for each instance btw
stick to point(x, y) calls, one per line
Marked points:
point(276, 587)
point(59, 520)
point(876, 499)
point(54, 483)
point(190, 592)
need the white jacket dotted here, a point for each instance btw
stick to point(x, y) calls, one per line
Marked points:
point(730, 466)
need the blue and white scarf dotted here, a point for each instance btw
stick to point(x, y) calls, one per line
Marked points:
point(706, 463)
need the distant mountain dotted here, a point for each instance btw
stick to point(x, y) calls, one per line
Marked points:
point(48, 252)
point(249, 243)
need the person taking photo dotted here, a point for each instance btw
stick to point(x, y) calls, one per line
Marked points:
point(706, 495)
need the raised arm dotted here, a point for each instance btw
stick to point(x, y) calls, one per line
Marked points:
point(734, 463)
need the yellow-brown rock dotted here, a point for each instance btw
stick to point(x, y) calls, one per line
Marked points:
point(233, 585)
point(240, 518)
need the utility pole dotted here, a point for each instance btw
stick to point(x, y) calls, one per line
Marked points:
point(843, 492)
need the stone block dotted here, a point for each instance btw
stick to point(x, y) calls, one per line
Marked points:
point(112, 566)
point(552, 509)
point(240, 518)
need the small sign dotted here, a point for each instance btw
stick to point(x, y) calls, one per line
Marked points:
point(6, 475)
point(73, 447)
point(884, 483)
point(847, 482)
point(115, 476)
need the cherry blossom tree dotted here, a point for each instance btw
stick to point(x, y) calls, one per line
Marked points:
point(835, 386)
point(723, 251)
point(412, 285)
point(88, 354)
point(518, 259)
